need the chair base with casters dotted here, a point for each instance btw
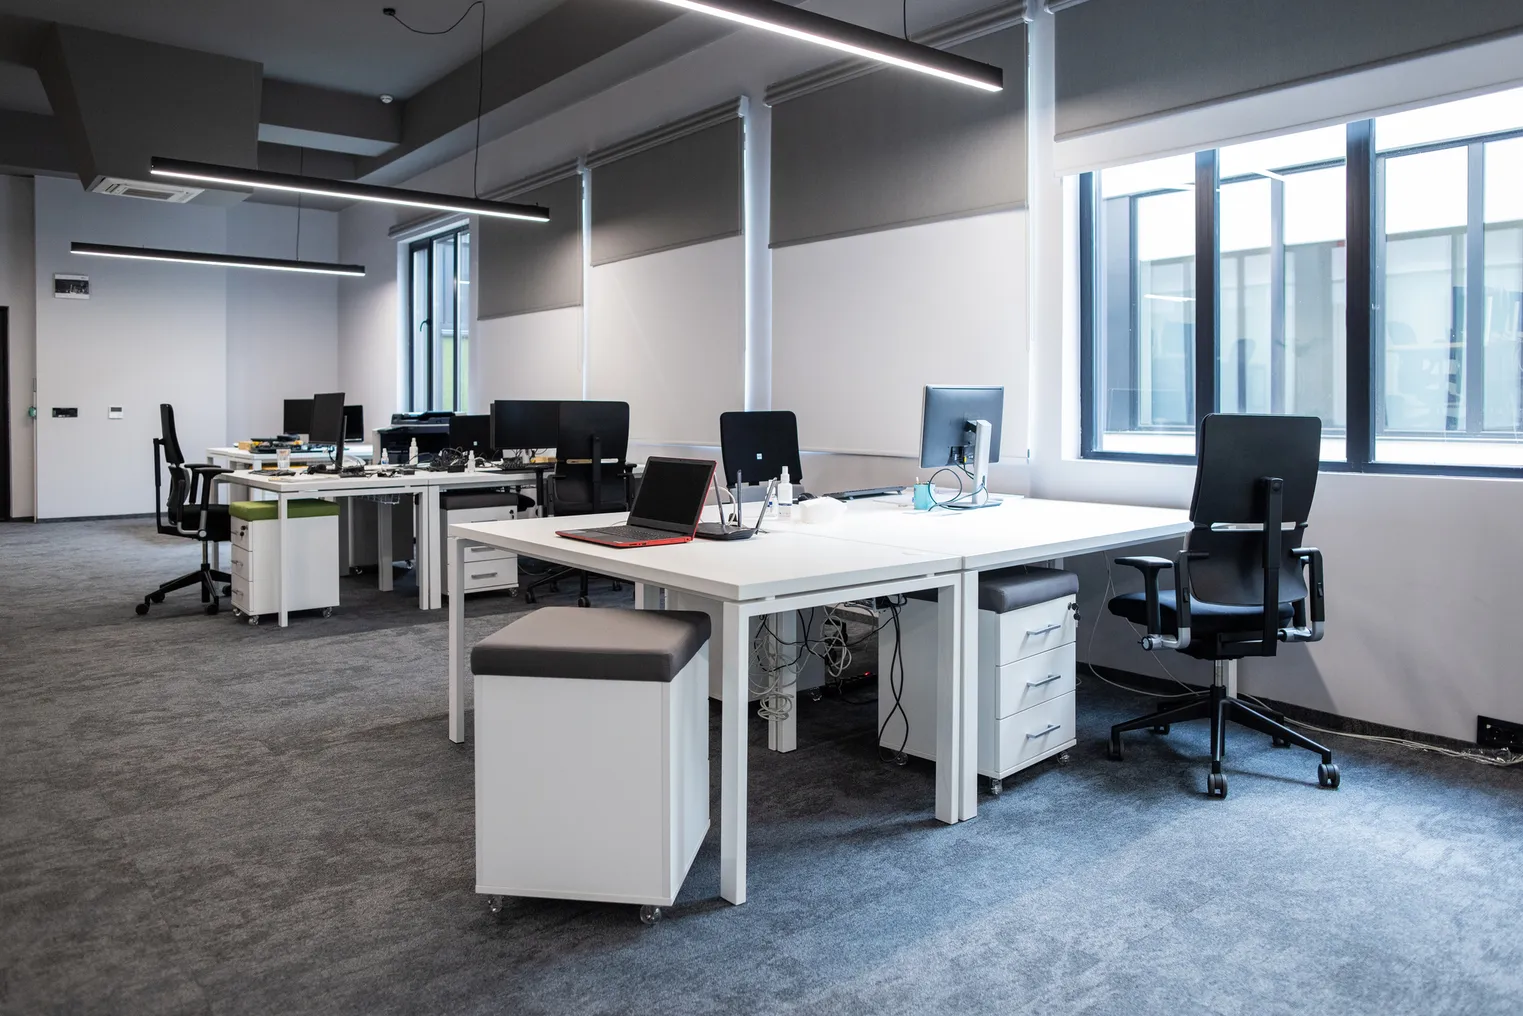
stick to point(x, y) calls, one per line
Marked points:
point(207, 577)
point(553, 579)
point(1220, 708)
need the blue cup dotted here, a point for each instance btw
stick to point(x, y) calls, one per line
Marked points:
point(924, 502)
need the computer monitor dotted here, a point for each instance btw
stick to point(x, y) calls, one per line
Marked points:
point(581, 421)
point(298, 417)
point(354, 423)
point(470, 433)
point(757, 445)
point(524, 424)
point(960, 426)
point(328, 423)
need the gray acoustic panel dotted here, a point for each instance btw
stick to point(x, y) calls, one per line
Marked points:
point(894, 148)
point(525, 267)
point(1121, 61)
point(683, 192)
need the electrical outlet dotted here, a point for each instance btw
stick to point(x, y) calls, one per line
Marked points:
point(1492, 733)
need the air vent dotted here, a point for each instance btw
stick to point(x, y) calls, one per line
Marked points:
point(152, 191)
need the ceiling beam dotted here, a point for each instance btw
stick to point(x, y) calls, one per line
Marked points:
point(309, 116)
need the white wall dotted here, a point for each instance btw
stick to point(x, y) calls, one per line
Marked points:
point(369, 313)
point(18, 294)
point(282, 327)
point(151, 332)
point(529, 356)
point(667, 334)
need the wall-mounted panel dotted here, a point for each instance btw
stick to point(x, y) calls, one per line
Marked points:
point(526, 267)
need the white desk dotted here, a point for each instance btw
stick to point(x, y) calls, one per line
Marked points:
point(423, 486)
point(235, 456)
point(734, 582)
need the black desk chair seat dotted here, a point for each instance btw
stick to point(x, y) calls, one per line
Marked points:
point(191, 513)
point(1244, 581)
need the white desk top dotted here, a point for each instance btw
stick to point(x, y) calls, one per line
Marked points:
point(235, 454)
point(774, 564)
point(1019, 530)
point(323, 483)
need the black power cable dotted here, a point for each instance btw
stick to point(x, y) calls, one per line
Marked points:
point(481, 56)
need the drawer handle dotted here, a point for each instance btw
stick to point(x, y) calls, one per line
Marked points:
point(1049, 628)
point(484, 575)
point(478, 548)
point(1046, 680)
point(1043, 733)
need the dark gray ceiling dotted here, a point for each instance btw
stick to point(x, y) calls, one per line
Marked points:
point(342, 44)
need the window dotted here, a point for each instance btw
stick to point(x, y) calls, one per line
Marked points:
point(437, 356)
point(1437, 198)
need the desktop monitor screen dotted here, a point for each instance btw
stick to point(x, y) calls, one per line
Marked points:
point(580, 422)
point(470, 433)
point(354, 423)
point(328, 422)
point(298, 417)
point(758, 445)
point(525, 424)
point(946, 425)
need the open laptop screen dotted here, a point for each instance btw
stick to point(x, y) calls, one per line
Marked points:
point(671, 494)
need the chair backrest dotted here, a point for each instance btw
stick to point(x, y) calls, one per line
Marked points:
point(589, 433)
point(1254, 483)
point(756, 445)
point(172, 453)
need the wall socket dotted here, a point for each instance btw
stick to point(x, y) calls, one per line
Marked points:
point(1493, 733)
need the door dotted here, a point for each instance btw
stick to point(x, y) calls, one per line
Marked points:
point(5, 414)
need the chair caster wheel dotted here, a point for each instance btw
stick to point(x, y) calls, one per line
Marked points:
point(901, 758)
point(1279, 742)
point(227, 590)
point(355, 569)
point(327, 612)
point(156, 597)
point(529, 596)
point(618, 586)
point(1216, 784)
point(996, 786)
point(141, 608)
point(254, 619)
point(1113, 750)
point(650, 914)
point(497, 906)
point(1161, 728)
point(582, 601)
point(212, 607)
point(1327, 775)
point(815, 694)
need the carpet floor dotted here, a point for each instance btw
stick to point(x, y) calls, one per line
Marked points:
point(199, 816)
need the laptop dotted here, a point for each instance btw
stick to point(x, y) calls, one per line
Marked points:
point(666, 509)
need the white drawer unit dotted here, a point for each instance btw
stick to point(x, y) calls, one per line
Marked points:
point(486, 568)
point(312, 557)
point(1026, 673)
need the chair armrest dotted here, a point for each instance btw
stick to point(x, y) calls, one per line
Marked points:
point(1150, 567)
point(1318, 609)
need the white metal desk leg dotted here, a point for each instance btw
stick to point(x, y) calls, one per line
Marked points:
point(949, 636)
point(282, 511)
point(435, 576)
point(382, 546)
point(422, 532)
point(731, 660)
point(783, 735)
point(967, 678)
point(649, 597)
point(457, 647)
point(216, 549)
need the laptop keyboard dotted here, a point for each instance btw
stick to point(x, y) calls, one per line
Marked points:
point(633, 534)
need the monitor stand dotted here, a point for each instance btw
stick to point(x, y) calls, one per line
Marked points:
point(983, 434)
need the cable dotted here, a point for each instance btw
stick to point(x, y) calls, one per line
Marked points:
point(895, 669)
point(391, 12)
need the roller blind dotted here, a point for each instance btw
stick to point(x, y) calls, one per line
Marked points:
point(1120, 61)
point(668, 192)
point(890, 149)
point(527, 267)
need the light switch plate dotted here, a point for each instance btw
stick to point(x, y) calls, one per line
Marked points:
point(113, 412)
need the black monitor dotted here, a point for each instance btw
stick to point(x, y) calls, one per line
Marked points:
point(328, 423)
point(470, 433)
point(354, 423)
point(946, 423)
point(580, 422)
point(298, 417)
point(758, 445)
point(525, 424)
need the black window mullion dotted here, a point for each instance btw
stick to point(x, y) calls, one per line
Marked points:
point(1277, 354)
point(1475, 293)
point(1089, 314)
point(1359, 280)
point(1207, 271)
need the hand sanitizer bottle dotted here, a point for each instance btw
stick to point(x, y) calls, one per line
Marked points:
point(412, 452)
point(385, 459)
point(784, 496)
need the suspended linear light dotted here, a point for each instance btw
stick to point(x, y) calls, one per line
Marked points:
point(262, 179)
point(798, 23)
point(192, 257)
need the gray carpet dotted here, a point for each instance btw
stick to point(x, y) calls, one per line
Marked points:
point(200, 816)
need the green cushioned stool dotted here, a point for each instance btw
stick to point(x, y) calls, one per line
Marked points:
point(299, 508)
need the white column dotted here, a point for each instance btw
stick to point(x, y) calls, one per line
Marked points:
point(756, 118)
point(732, 768)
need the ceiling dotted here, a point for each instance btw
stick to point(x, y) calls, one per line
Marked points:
point(346, 45)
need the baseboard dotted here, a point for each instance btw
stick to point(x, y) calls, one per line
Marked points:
point(1304, 714)
point(100, 518)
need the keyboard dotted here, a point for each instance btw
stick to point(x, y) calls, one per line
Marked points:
point(853, 495)
point(631, 534)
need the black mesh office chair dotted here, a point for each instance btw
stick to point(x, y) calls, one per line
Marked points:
point(590, 475)
point(191, 513)
point(1240, 584)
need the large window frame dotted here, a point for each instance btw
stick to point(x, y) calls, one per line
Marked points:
point(1363, 166)
point(436, 353)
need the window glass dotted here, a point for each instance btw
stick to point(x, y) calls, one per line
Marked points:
point(1325, 145)
point(1484, 114)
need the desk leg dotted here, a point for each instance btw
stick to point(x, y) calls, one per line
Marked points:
point(457, 648)
point(422, 532)
point(732, 780)
point(382, 546)
point(950, 632)
point(967, 680)
point(282, 511)
point(783, 735)
point(435, 544)
point(649, 597)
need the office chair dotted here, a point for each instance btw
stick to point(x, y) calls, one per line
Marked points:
point(191, 513)
point(1240, 585)
point(583, 484)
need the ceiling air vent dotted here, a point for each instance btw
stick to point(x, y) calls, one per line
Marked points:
point(153, 191)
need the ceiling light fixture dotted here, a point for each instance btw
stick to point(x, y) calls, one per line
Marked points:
point(261, 179)
point(797, 23)
point(191, 257)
